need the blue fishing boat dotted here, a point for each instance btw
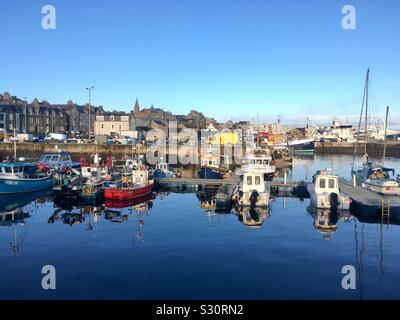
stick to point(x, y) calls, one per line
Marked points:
point(20, 177)
point(162, 171)
point(210, 167)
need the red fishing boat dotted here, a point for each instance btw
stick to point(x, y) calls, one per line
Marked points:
point(128, 202)
point(139, 186)
point(128, 193)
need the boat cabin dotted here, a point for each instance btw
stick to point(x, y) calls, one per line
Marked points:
point(253, 181)
point(210, 162)
point(17, 170)
point(56, 159)
point(162, 166)
point(325, 182)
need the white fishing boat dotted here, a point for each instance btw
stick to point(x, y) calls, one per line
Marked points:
point(259, 160)
point(252, 191)
point(325, 192)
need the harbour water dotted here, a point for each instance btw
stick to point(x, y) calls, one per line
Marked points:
point(171, 248)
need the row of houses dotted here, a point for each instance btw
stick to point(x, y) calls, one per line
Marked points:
point(41, 117)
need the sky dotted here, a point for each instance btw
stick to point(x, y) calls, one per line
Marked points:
point(233, 59)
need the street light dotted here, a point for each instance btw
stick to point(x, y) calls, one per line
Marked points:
point(90, 97)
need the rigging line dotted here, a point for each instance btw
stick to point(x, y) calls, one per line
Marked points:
point(357, 260)
point(29, 224)
point(375, 108)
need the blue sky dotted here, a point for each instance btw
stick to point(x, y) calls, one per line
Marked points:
point(287, 58)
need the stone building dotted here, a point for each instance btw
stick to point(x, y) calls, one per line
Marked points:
point(109, 123)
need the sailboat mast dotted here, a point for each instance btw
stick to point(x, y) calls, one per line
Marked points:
point(366, 111)
point(384, 137)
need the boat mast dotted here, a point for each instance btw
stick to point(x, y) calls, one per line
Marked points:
point(366, 111)
point(384, 138)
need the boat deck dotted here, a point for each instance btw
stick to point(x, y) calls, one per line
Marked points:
point(368, 199)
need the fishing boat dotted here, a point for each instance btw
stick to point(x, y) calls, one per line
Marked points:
point(259, 160)
point(325, 192)
point(92, 190)
point(139, 185)
point(210, 166)
point(128, 202)
point(162, 171)
point(302, 145)
point(96, 168)
point(252, 191)
point(57, 159)
point(22, 177)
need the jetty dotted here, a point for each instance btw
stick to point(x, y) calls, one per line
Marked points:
point(371, 202)
point(283, 188)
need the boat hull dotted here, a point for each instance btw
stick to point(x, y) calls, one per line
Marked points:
point(12, 186)
point(159, 175)
point(209, 173)
point(127, 194)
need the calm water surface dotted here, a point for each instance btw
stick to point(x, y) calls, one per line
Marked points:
point(170, 248)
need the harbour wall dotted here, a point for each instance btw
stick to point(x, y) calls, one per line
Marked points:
point(31, 151)
point(374, 149)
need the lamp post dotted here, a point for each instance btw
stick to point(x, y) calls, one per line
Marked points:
point(90, 98)
point(25, 115)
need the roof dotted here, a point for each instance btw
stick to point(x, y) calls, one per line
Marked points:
point(64, 153)
point(15, 164)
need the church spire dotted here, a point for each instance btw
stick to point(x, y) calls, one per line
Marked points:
point(136, 108)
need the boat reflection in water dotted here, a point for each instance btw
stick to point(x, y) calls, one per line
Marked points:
point(326, 220)
point(252, 217)
point(13, 213)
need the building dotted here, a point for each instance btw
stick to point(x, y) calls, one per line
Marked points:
point(109, 123)
point(41, 117)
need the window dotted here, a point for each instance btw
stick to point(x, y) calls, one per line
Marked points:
point(120, 127)
point(331, 184)
point(100, 118)
point(112, 126)
point(8, 169)
point(322, 183)
point(1, 116)
point(210, 163)
point(257, 181)
point(10, 116)
point(54, 158)
point(102, 126)
point(111, 118)
point(249, 180)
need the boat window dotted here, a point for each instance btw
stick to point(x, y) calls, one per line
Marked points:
point(64, 158)
point(8, 169)
point(47, 158)
point(331, 183)
point(249, 180)
point(257, 180)
point(322, 183)
point(265, 161)
point(259, 161)
point(54, 158)
point(210, 163)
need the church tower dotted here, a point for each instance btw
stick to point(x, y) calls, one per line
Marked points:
point(136, 109)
